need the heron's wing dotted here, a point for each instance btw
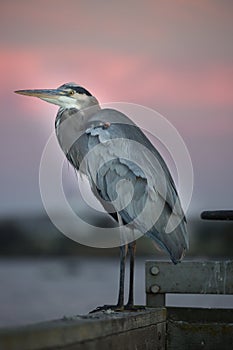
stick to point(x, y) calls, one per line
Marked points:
point(133, 184)
point(122, 127)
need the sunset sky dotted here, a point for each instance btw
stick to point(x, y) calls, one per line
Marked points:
point(173, 56)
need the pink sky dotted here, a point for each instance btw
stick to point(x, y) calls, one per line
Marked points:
point(173, 56)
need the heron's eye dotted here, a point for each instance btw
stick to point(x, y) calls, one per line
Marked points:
point(71, 92)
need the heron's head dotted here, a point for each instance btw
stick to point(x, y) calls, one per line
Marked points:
point(69, 95)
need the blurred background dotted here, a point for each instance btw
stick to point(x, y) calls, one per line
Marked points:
point(172, 56)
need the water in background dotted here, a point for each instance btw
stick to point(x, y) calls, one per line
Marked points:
point(34, 290)
point(38, 290)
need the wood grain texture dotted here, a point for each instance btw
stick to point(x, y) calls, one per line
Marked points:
point(130, 330)
point(197, 329)
point(197, 277)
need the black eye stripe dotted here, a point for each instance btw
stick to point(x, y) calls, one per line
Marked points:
point(81, 90)
point(76, 88)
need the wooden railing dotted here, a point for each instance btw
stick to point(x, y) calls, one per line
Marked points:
point(193, 328)
point(156, 327)
point(100, 331)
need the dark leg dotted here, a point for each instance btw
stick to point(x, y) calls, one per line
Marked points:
point(123, 253)
point(132, 250)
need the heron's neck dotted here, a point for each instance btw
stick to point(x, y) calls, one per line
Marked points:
point(81, 115)
point(82, 109)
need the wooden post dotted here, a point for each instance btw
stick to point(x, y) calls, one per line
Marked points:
point(193, 328)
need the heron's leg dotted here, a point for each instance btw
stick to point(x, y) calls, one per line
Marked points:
point(120, 303)
point(132, 250)
point(123, 253)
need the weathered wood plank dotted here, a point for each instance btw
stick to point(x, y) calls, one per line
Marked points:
point(149, 338)
point(194, 329)
point(99, 328)
point(200, 277)
point(155, 300)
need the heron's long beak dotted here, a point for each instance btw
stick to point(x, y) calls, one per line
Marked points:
point(44, 93)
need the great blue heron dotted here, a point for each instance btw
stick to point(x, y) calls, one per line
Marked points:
point(91, 126)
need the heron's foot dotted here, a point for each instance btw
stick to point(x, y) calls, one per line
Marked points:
point(116, 308)
point(108, 309)
point(131, 307)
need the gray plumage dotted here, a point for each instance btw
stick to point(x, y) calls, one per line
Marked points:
point(125, 171)
point(90, 125)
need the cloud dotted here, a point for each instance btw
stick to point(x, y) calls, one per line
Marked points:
point(167, 30)
point(121, 77)
point(174, 56)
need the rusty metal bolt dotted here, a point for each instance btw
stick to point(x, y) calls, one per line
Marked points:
point(154, 289)
point(154, 270)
